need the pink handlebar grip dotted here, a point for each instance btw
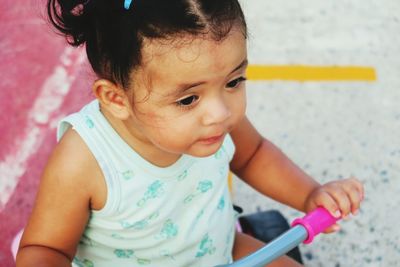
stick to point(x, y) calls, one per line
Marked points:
point(315, 222)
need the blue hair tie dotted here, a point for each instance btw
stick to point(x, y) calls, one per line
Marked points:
point(127, 4)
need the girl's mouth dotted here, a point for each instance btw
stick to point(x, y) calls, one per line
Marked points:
point(211, 140)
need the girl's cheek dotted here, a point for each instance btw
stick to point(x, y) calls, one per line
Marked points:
point(153, 119)
point(241, 111)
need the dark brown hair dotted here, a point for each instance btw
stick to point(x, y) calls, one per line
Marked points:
point(114, 36)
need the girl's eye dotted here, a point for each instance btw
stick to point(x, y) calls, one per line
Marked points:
point(236, 82)
point(187, 101)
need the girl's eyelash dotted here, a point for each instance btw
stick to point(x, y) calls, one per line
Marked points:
point(187, 102)
point(236, 82)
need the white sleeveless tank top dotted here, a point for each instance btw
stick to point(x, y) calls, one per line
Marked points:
point(180, 215)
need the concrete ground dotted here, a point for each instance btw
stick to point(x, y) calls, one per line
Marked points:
point(334, 129)
point(330, 129)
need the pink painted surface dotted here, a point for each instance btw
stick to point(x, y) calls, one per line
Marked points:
point(40, 82)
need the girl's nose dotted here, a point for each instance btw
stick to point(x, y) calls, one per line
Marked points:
point(216, 112)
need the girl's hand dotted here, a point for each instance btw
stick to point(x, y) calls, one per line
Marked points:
point(340, 197)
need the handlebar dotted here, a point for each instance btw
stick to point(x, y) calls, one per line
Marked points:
point(303, 230)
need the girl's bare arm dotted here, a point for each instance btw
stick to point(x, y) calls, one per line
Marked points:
point(263, 166)
point(62, 206)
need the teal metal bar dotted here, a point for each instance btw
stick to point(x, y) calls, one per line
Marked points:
point(276, 248)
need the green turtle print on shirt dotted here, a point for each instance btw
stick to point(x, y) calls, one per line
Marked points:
point(197, 219)
point(205, 247)
point(199, 214)
point(128, 175)
point(117, 236)
point(130, 254)
point(139, 225)
point(202, 188)
point(83, 263)
point(166, 253)
point(221, 203)
point(89, 122)
point(124, 253)
point(169, 230)
point(154, 190)
point(182, 176)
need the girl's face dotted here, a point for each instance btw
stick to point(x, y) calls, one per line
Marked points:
point(189, 94)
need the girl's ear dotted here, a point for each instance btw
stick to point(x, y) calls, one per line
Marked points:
point(113, 98)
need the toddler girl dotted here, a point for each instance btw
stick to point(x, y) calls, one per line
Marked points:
point(139, 175)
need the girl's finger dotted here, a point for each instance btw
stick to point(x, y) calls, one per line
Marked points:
point(342, 199)
point(325, 200)
point(357, 184)
point(355, 198)
point(334, 228)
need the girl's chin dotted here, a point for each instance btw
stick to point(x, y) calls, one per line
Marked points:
point(204, 150)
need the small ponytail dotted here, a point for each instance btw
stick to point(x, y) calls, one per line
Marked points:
point(70, 19)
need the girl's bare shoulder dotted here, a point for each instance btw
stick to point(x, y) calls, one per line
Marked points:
point(73, 156)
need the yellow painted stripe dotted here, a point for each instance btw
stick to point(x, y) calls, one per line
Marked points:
point(311, 73)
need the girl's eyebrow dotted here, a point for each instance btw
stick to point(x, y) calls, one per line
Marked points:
point(244, 63)
point(186, 86)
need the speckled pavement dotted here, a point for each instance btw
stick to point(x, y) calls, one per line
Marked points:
point(334, 129)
